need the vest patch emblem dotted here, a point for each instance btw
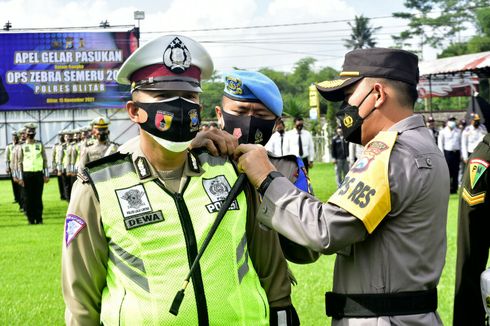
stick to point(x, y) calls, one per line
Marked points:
point(73, 225)
point(133, 201)
point(217, 189)
point(136, 208)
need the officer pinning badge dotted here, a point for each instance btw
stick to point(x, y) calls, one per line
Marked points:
point(142, 168)
point(233, 85)
point(163, 120)
point(477, 168)
point(136, 208)
point(217, 189)
point(73, 226)
point(177, 57)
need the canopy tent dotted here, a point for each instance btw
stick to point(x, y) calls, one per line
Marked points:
point(478, 63)
point(464, 66)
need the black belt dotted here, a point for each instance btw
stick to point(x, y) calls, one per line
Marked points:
point(339, 305)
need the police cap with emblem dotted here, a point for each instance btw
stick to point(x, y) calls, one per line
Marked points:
point(170, 62)
point(374, 62)
point(30, 128)
point(101, 123)
point(252, 86)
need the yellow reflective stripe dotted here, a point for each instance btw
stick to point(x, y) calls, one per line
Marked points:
point(473, 199)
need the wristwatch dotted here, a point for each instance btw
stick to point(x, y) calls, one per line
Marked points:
point(265, 184)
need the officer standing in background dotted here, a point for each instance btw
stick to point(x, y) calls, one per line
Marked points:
point(9, 162)
point(34, 173)
point(449, 143)
point(473, 239)
point(340, 155)
point(276, 144)
point(471, 137)
point(138, 217)
point(102, 146)
point(15, 164)
point(64, 158)
point(431, 125)
point(300, 143)
point(56, 162)
point(387, 222)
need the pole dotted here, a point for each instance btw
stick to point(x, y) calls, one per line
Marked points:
point(235, 190)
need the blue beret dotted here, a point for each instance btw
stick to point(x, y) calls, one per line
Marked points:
point(251, 86)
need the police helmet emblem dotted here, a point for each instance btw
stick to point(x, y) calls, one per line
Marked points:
point(259, 136)
point(194, 120)
point(218, 189)
point(163, 120)
point(234, 85)
point(133, 197)
point(348, 121)
point(177, 57)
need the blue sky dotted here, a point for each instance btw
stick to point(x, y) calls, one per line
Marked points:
point(275, 47)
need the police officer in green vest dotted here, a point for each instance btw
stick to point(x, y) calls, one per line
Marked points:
point(9, 155)
point(473, 238)
point(33, 174)
point(137, 218)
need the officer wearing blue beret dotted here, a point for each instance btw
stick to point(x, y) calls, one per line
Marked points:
point(251, 105)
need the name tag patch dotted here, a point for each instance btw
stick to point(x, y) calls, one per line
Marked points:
point(217, 189)
point(136, 208)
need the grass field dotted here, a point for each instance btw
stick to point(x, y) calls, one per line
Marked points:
point(30, 292)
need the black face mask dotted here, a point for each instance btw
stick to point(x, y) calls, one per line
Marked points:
point(249, 129)
point(176, 119)
point(476, 124)
point(281, 131)
point(103, 136)
point(351, 121)
point(31, 136)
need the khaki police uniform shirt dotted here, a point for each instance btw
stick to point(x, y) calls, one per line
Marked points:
point(406, 252)
point(94, 152)
point(84, 261)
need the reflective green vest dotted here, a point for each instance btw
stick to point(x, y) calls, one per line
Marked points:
point(33, 158)
point(153, 237)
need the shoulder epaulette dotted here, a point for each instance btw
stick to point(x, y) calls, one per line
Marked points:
point(117, 156)
point(83, 177)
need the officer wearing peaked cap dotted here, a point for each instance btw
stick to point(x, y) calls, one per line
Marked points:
point(139, 216)
point(102, 146)
point(9, 161)
point(33, 173)
point(56, 162)
point(389, 215)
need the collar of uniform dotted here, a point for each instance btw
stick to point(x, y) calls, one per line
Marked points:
point(146, 171)
point(412, 122)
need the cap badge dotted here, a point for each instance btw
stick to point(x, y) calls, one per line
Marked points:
point(194, 118)
point(348, 121)
point(234, 85)
point(177, 57)
point(163, 120)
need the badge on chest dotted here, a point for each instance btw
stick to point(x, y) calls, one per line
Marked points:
point(136, 208)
